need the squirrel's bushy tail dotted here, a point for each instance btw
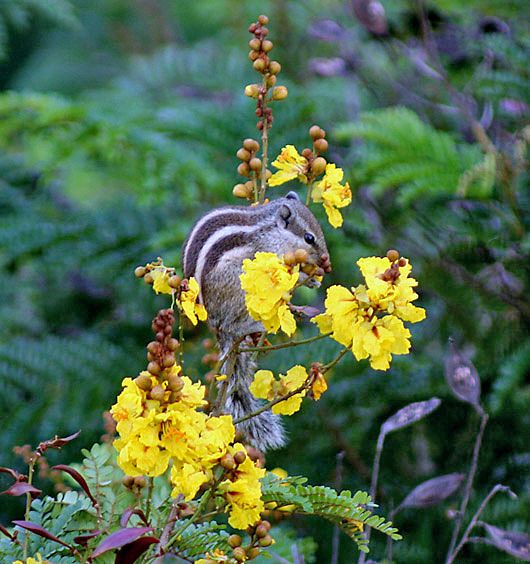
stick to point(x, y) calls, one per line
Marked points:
point(264, 431)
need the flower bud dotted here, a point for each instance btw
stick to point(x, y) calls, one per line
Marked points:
point(289, 259)
point(253, 552)
point(243, 154)
point(228, 462)
point(243, 169)
point(143, 381)
point(240, 457)
point(316, 132)
point(128, 481)
point(392, 255)
point(265, 541)
point(263, 19)
point(172, 344)
point(239, 554)
point(280, 93)
point(266, 45)
point(320, 145)
point(255, 44)
point(157, 393)
point(175, 383)
point(318, 166)
point(402, 262)
point(253, 55)
point(271, 80)
point(240, 191)
point(154, 368)
point(261, 531)
point(255, 164)
point(301, 255)
point(235, 541)
point(140, 482)
point(307, 153)
point(251, 145)
point(148, 279)
point(139, 271)
point(275, 67)
point(174, 281)
point(252, 90)
point(169, 360)
point(266, 524)
point(268, 174)
point(259, 65)
point(153, 347)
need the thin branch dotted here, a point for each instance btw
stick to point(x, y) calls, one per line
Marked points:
point(335, 541)
point(284, 345)
point(467, 491)
point(465, 537)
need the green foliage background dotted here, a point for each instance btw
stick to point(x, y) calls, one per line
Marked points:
point(119, 122)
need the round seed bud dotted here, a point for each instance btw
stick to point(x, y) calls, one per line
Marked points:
point(316, 132)
point(261, 531)
point(249, 185)
point(402, 262)
point(140, 482)
point(255, 164)
point(266, 524)
point(253, 55)
point(160, 336)
point(235, 541)
point(175, 383)
point(239, 191)
point(318, 166)
point(251, 145)
point(307, 153)
point(239, 554)
point(157, 393)
point(243, 154)
point(265, 541)
point(259, 125)
point(150, 357)
point(169, 360)
point(266, 45)
point(128, 481)
point(148, 279)
point(154, 368)
point(264, 31)
point(280, 93)
point(268, 174)
point(271, 80)
point(275, 67)
point(263, 19)
point(240, 457)
point(228, 462)
point(243, 169)
point(392, 255)
point(289, 259)
point(320, 145)
point(153, 347)
point(254, 44)
point(143, 381)
point(301, 255)
point(253, 553)
point(174, 281)
point(172, 344)
point(259, 65)
point(174, 396)
point(252, 90)
point(139, 271)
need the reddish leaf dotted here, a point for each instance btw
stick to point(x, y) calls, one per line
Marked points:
point(78, 478)
point(129, 512)
point(14, 474)
point(119, 538)
point(130, 552)
point(56, 442)
point(21, 488)
point(7, 533)
point(41, 531)
point(83, 539)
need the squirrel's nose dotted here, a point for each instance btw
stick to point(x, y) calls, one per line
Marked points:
point(325, 263)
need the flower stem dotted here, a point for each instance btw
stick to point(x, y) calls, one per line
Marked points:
point(284, 345)
point(31, 468)
point(264, 147)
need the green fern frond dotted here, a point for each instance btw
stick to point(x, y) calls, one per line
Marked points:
point(200, 538)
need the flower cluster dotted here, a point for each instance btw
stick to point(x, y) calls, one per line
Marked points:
point(332, 194)
point(268, 283)
point(33, 560)
point(265, 386)
point(369, 318)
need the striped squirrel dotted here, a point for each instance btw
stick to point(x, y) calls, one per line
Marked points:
point(213, 253)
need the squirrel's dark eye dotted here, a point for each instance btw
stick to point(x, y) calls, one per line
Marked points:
point(309, 238)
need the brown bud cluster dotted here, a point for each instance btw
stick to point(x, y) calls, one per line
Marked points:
point(259, 54)
point(259, 538)
point(135, 484)
point(145, 273)
point(392, 274)
point(250, 167)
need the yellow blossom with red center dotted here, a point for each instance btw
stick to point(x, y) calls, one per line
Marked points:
point(268, 283)
point(332, 194)
point(189, 302)
point(265, 386)
point(290, 165)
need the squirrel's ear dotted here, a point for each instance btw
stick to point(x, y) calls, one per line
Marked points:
point(284, 214)
point(292, 196)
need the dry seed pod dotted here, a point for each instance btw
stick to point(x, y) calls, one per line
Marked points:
point(409, 414)
point(462, 377)
point(513, 543)
point(433, 491)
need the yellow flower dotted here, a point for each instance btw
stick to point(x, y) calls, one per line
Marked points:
point(332, 194)
point(33, 560)
point(188, 302)
point(216, 556)
point(187, 480)
point(265, 386)
point(268, 282)
point(243, 492)
point(291, 165)
point(319, 386)
point(160, 281)
point(378, 339)
point(280, 472)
